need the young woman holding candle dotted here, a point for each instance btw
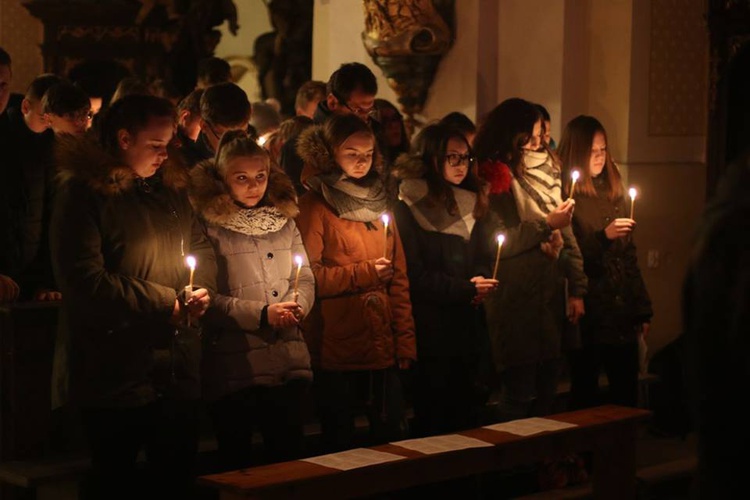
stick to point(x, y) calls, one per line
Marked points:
point(361, 330)
point(256, 368)
point(526, 317)
point(121, 228)
point(618, 308)
point(441, 199)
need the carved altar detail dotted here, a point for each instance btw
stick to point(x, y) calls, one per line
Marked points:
point(407, 39)
point(162, 39)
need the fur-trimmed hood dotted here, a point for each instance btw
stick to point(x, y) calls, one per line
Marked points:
point(318, 156)
point(408, 166)
point(82, 158)
point(211, 199)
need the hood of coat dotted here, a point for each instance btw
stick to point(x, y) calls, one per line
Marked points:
point(211, 198)
point(82, 158)
point(318, 156)
point(408, 166)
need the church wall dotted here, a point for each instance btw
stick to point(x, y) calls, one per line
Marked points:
point(21, 35)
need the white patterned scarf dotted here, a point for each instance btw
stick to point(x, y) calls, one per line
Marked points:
point(539, 190)
point(255, 221)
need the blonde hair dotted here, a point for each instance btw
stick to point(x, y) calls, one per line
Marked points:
point(234, 144)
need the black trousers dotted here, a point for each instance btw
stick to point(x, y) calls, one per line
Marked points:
point(277, 412)
point(446, 395)
point(341, 396)
point(619, 362)
point(169, 433)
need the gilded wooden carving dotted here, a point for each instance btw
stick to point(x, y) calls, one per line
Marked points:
point(407, 39)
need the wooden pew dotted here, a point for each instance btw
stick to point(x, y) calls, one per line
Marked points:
point(609, 432)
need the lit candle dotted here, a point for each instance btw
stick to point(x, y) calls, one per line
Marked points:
point(298, 261)
point(575, 174)
point(190, 261)
point(385, 220)
point(632, 192)
point(500, 241)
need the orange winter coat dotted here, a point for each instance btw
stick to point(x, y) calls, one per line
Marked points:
point(357, 323)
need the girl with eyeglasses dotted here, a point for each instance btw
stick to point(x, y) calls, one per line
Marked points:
point(360, 331)
point(256, 369)
point(441, 199)
point(526, 316)
point(618, 308)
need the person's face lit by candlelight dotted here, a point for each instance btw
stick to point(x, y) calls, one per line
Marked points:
point(355, 154)
point(146, 150)
point(457, 161)
point(247, 179)
point(598, 154)
point(536, 137)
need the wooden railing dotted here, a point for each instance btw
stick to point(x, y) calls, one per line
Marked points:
point(609, 432)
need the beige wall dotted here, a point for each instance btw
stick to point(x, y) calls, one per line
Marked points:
point(253, 19)
point(21, 35)
point(530, 61)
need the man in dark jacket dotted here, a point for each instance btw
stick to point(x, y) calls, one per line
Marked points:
point(28, 173)
point(351, 89)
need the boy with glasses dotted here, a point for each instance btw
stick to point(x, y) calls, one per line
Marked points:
point(67, 109)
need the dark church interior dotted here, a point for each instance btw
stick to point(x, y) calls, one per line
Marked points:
point(375, 249)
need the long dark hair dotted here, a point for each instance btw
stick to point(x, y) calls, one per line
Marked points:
point(504, 132)
point(431, 145)
point(574, 151)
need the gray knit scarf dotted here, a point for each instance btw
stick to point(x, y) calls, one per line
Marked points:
point(358, 200)
point(435, 218)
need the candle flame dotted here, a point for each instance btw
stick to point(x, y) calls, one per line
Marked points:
point(575, 174)
point(632, 192)
point(385, 219)
point(298, 260)
point(500, 239)
point(190, 261)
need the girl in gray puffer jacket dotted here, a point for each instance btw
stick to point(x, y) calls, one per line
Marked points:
point(256, 368)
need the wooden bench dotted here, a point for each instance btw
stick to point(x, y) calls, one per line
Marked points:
point(609, 432)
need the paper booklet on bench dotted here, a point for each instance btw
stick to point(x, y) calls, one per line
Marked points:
point(353, 459)
point(529, 426)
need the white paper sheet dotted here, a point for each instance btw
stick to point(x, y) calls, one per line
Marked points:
point(441, 444)
point(529, 426)
point(353, 459)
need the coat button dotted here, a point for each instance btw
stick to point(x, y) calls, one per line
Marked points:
point(269, 255)
point(607, 219)
point(275, 293)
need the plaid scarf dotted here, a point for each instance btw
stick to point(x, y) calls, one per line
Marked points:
point(358, 200)
point(539, 191)
point(435, 217)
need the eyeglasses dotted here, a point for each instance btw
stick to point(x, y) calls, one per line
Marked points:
point(455, 159)
point(361, 112)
